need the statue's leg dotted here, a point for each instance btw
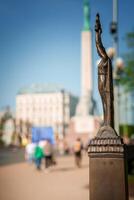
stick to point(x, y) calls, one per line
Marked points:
point(109, 110)
point(104, 103)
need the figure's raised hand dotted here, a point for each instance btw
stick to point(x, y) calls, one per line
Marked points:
point(98, 24)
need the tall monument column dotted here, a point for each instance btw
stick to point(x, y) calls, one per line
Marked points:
point(84, 123)
point(86, 63)
point(85, 105)
point(86, 59)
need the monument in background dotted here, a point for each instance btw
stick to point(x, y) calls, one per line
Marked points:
point(85, 106)
point(84, 124)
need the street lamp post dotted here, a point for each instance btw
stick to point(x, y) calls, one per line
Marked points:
point(118, 70)
point(114, 33)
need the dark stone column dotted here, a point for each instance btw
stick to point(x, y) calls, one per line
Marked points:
point(107, 167)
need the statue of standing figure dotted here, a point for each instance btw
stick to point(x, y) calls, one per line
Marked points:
point(105, 78)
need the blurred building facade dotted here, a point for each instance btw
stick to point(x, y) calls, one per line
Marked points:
point(46, 106)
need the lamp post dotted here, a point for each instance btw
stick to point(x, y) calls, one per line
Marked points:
point(118, 70)
point(126, 118)
point(114, 33)
point(119, 65)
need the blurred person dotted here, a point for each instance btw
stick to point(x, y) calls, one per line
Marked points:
point(38, 155)
point(16, 141)
point(24, 141)
point(42, 144)
point(78, 152)
point(48, 151)
point(29, 151)
point(66, 148)
point(54, 162)
point(19, 139)
point(61, 147)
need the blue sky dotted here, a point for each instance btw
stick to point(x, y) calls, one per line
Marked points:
point(40, 42)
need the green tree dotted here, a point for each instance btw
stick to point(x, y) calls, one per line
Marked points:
point(127, 75)
point(127, 78)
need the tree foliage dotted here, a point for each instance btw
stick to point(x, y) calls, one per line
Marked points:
point(127, 78)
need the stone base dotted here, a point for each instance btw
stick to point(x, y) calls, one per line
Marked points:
point(85, 124)
point(82, 127)
point(107, 170)
point(107, 178)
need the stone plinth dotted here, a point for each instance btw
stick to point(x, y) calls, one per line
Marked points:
point(82, 127)
point(107, 167)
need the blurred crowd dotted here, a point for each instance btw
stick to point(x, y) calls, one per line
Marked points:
point(43, 154)
point(37, 152)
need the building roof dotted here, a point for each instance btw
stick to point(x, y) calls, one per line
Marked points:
point(40, 88)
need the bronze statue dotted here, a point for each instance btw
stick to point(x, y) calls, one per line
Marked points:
point(107, 156)
point(105, 78)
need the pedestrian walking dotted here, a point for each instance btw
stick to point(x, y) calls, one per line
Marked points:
point(78, 152)
point(29, 151)
point(24, 141)
point(48, 150)
point(38, 155)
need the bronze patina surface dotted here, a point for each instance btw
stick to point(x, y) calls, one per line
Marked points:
point(107, 169)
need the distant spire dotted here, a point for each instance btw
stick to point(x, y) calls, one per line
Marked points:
point(86, 15)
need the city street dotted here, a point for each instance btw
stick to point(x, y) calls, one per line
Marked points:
point(21, 181)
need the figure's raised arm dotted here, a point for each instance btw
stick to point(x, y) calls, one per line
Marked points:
point(100, 48)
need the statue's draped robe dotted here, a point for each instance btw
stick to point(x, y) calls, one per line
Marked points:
point(105, 78)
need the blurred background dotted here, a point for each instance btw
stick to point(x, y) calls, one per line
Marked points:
point(50, 107)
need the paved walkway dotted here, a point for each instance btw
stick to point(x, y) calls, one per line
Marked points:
point(65, 182)
point(21, 181)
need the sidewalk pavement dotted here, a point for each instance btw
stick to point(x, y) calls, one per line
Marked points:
point(21, 181)
point(64, 182)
